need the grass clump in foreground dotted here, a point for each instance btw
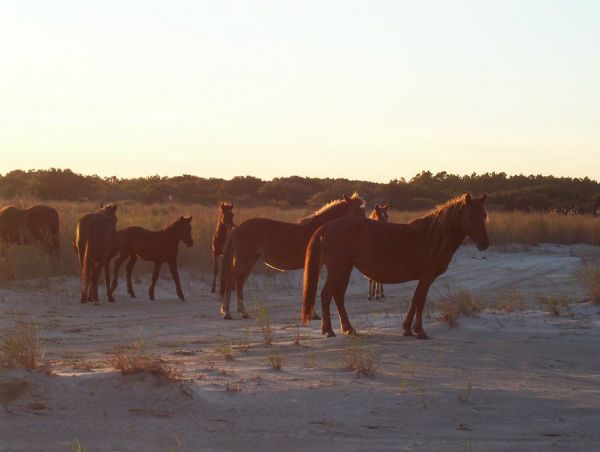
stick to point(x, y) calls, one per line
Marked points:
point(589, 276)
point(553, 304)
point(135, 360)
point(457, 302)
point(359, 357)
point(276, 361)
point(19, 346)
point(263, 317)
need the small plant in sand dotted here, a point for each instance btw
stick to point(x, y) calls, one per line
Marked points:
point(276, 361)
point(19, 346)
point(511, 301)
point(589, 276)
point(457, 302)
point(464, 395)
point(135, 359)
point(230, 387)
point(263, 317)
point(226, 349)
point(553, 304)
point(245, 344)
point(77, 447)
point(359, 357)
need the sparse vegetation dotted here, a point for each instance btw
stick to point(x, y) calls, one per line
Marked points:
point(276, 361)
point(457, 302)
point(510, 301)
point(464, 396)
point(135, 359)
point(263, 317)
point(553, 304)
point(589, 276)
point(359, 357)
point(226, 349)
point(233, 388)
point(19, 346)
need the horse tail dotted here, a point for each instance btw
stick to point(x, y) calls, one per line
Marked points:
point(226, 264)
point(312, 267)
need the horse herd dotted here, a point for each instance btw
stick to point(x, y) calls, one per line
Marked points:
point(338, 236)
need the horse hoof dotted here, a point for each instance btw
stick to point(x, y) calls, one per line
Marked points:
point(245, 315)
point(213, 290)
point(350, 332)
point(407, 333)
point(369, 298)
point(182, 298)
point(111, 300)
point(131, 294)
point(329, 333)
point(227, 316)
point(422, 335)
point(315, 316)
point(382, 296)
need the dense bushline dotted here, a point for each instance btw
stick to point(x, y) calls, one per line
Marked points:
point(423, 191)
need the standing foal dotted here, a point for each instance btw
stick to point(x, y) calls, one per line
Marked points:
point(224, 225)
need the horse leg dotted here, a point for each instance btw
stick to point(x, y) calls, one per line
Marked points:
point(418, 327)
point(339, 292)
point(116, 269)
point(213, 289)
point(418, 298)
point(240, 264)
point(371, 283)
point(381, 290)
point(85, 281)
point(377, 290)
point(107, 282)
point(239, 287)
point(129, 269)
point(97, 268)
point(155, 274)
point(326, 308)
point(175, 275)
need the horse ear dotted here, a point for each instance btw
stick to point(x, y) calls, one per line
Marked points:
point(222, 205)
point(113, 207)
point(231, 205)
point(377, 206)
point(384, 207)
point(189, 220)
point(468, 198)
point(101, 205)
point(181, 218)
point(483, 198)
point(347, 198)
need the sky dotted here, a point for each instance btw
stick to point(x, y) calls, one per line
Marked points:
point(370, 90)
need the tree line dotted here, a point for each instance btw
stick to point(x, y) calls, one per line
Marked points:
point(423, 191)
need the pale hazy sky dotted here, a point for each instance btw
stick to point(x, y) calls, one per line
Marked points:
point(370, 90)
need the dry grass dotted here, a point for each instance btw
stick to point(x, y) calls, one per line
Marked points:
point(457, 302)
point(359, 357)
point(553, 304)
point(276, 361)
point(232, 388)
point(263, 317)
point(135, 359)
point(27, 262)
point(226, 349)
point(589, 276)
point(510, 301)
point(19, 346)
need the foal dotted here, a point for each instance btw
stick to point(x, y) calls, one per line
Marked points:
point(379, 213)
point(95, 238)
point(155, 246)
point(224, 225)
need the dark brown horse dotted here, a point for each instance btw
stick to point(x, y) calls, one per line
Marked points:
point(379, 213)
point(94, 239)
point(154, 246)
point(281, 245)
point(37, 224)
point(390, 253)
point(224, 225)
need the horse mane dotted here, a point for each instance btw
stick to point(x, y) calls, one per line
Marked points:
point(326, 209)
point(446, 213)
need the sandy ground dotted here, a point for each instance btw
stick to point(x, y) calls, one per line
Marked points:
point(521, 380)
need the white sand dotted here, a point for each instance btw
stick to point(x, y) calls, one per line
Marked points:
point(524, 380)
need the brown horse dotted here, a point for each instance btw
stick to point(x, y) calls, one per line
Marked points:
point(390, 253)
point(379, 213)
point(37, 224)
point(281, 246)
point(224, 225)
point(94, 239)
point(154, 246)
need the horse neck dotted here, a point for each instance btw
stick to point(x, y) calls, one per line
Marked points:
point(443, 232)
point(170, 234)
point(318, 220)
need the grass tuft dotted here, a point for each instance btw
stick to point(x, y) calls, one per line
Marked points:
point(263, 317)
point(19, 346)
point(359, 357)
point(135, 359)
point(276, 361)
point(457, 302)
